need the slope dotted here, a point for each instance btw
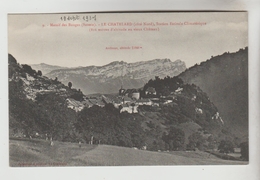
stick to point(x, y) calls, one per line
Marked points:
point(225, 79)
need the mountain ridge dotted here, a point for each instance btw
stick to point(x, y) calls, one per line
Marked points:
point(46, 68)
point(110, 77)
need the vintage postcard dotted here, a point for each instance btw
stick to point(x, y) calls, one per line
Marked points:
point(128, 89)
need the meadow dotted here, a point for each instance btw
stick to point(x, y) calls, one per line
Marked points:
point(28, 153)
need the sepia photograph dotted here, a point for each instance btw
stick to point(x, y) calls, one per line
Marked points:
point(128, 89)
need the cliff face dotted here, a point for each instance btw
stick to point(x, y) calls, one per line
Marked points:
point(109, 78)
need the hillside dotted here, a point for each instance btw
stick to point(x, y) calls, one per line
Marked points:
point(225, 79)
point(40, 153)
point(38, 104)
point(109, 78)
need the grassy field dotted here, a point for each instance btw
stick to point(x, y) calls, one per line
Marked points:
point(26, 152)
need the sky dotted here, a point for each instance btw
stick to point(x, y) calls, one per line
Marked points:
point(191, 37)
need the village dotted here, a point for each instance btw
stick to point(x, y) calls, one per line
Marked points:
point(127, 100)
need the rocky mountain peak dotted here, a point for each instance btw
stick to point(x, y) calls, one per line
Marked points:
point(114, 63)
point(110, 77)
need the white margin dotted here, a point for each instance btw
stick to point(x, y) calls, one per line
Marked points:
point(249, 172)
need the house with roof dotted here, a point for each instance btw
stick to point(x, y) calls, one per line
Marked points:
point(131, 93)
point(75, 105)
point(106, 100)
point(97, 102)
point(87, 103)
point(115, 100)
point(150, 91)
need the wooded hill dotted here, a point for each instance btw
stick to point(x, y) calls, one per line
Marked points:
point(225, 79)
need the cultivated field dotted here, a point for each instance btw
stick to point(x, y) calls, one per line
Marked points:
point(26, 152)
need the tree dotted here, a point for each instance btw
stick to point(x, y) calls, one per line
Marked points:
point(70, 85)
point(29, 70)
point(212, 142)
point(226, 146)
point(39, 73)
point(244, 150)
point(237, 141)
point(175, 138)
point(196, 140)
point(78, 95)
point(11, 59)
point(54, 113)
point(165, 91)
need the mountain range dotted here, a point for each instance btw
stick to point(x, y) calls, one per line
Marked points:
point(109, 78)
point(46, 68)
